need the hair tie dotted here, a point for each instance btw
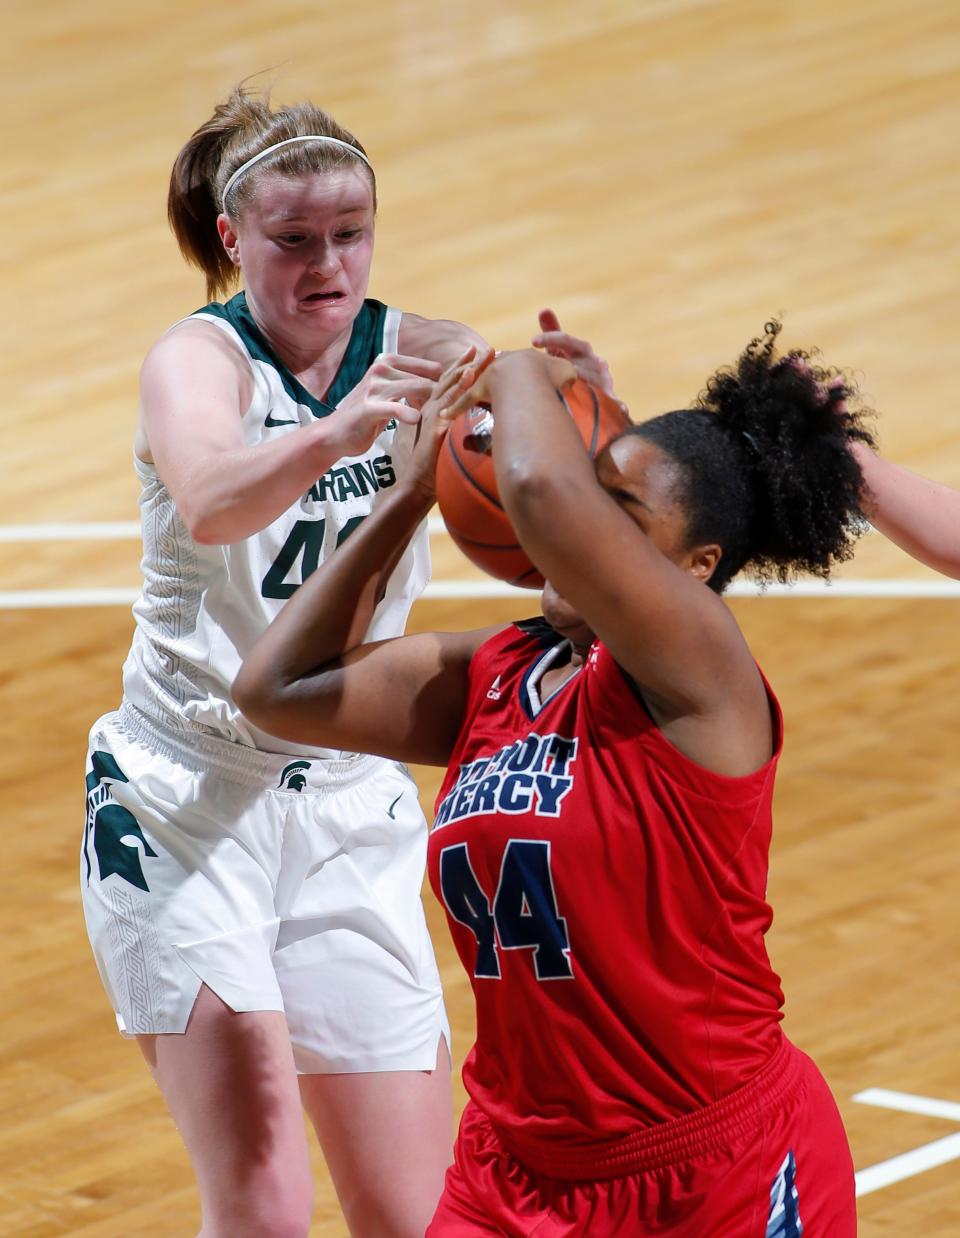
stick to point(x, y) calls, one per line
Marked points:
point(309, 137)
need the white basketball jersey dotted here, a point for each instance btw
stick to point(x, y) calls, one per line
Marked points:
point(202, 607)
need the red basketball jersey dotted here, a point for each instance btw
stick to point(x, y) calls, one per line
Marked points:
point(607, 897)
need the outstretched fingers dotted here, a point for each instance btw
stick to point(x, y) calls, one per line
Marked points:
point(559, 343)
point(459, 386)
point(410, 365)
point(403, 380)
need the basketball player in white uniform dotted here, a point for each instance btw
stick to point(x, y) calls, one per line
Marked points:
point(254, 907)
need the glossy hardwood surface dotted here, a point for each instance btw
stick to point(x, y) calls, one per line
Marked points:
point(667, 176)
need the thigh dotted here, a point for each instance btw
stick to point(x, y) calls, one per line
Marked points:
point(387, 1138)
point(230, 1084)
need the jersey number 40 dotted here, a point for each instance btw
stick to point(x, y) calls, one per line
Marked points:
point(524, 915)
point(305, 542)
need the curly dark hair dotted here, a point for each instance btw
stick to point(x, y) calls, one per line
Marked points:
point(764, 464)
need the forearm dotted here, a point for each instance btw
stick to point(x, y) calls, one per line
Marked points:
point(225, 496)
point(331, 612)
point(921, 516)
point(539, 458)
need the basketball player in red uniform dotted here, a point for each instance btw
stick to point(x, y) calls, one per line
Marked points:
point(602, 834)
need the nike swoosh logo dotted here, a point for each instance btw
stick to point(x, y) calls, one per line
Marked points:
point(393, 806)
point(272, 421)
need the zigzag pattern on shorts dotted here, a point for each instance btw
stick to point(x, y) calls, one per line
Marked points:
point(136, 949)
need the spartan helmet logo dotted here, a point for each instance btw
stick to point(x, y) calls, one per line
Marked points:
point(115, 831)
point(292, 778)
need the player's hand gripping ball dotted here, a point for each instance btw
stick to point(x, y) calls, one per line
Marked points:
point(467, 487)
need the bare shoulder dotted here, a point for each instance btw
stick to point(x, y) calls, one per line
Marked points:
point(194, 375)
point(436, 339)
point(192, 340)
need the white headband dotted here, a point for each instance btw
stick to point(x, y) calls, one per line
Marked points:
point(310, 137)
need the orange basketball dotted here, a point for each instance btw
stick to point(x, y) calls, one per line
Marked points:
point(467, 487)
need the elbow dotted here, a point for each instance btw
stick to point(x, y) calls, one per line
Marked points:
point(206, 535)
point(209, 523)
point(535, 495)
point(205, 528)
point(282, 708)
point(253, 697)
point(526, 486)
point(199, 523)
point(244, 693)
point(538, 505)
point(268, 697)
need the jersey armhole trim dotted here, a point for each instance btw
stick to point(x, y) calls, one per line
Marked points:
point(391, 329)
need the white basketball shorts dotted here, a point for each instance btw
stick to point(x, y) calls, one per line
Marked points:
point(279, 882)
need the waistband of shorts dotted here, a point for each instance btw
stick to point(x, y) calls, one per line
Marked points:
point(201, 751)
point(712, 1128)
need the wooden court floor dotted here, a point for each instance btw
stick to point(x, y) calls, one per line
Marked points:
point(665, 174)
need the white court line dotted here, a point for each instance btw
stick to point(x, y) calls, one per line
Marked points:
point(917, 1160)
point(889, 588)
point(104, 530)
point(47, 599)
point(26, 599)
point(81, 531)
point(908, 1103)
point(117, 530)
point(22, 599)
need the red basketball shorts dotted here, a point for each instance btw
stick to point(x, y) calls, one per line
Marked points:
point(769, 1161)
